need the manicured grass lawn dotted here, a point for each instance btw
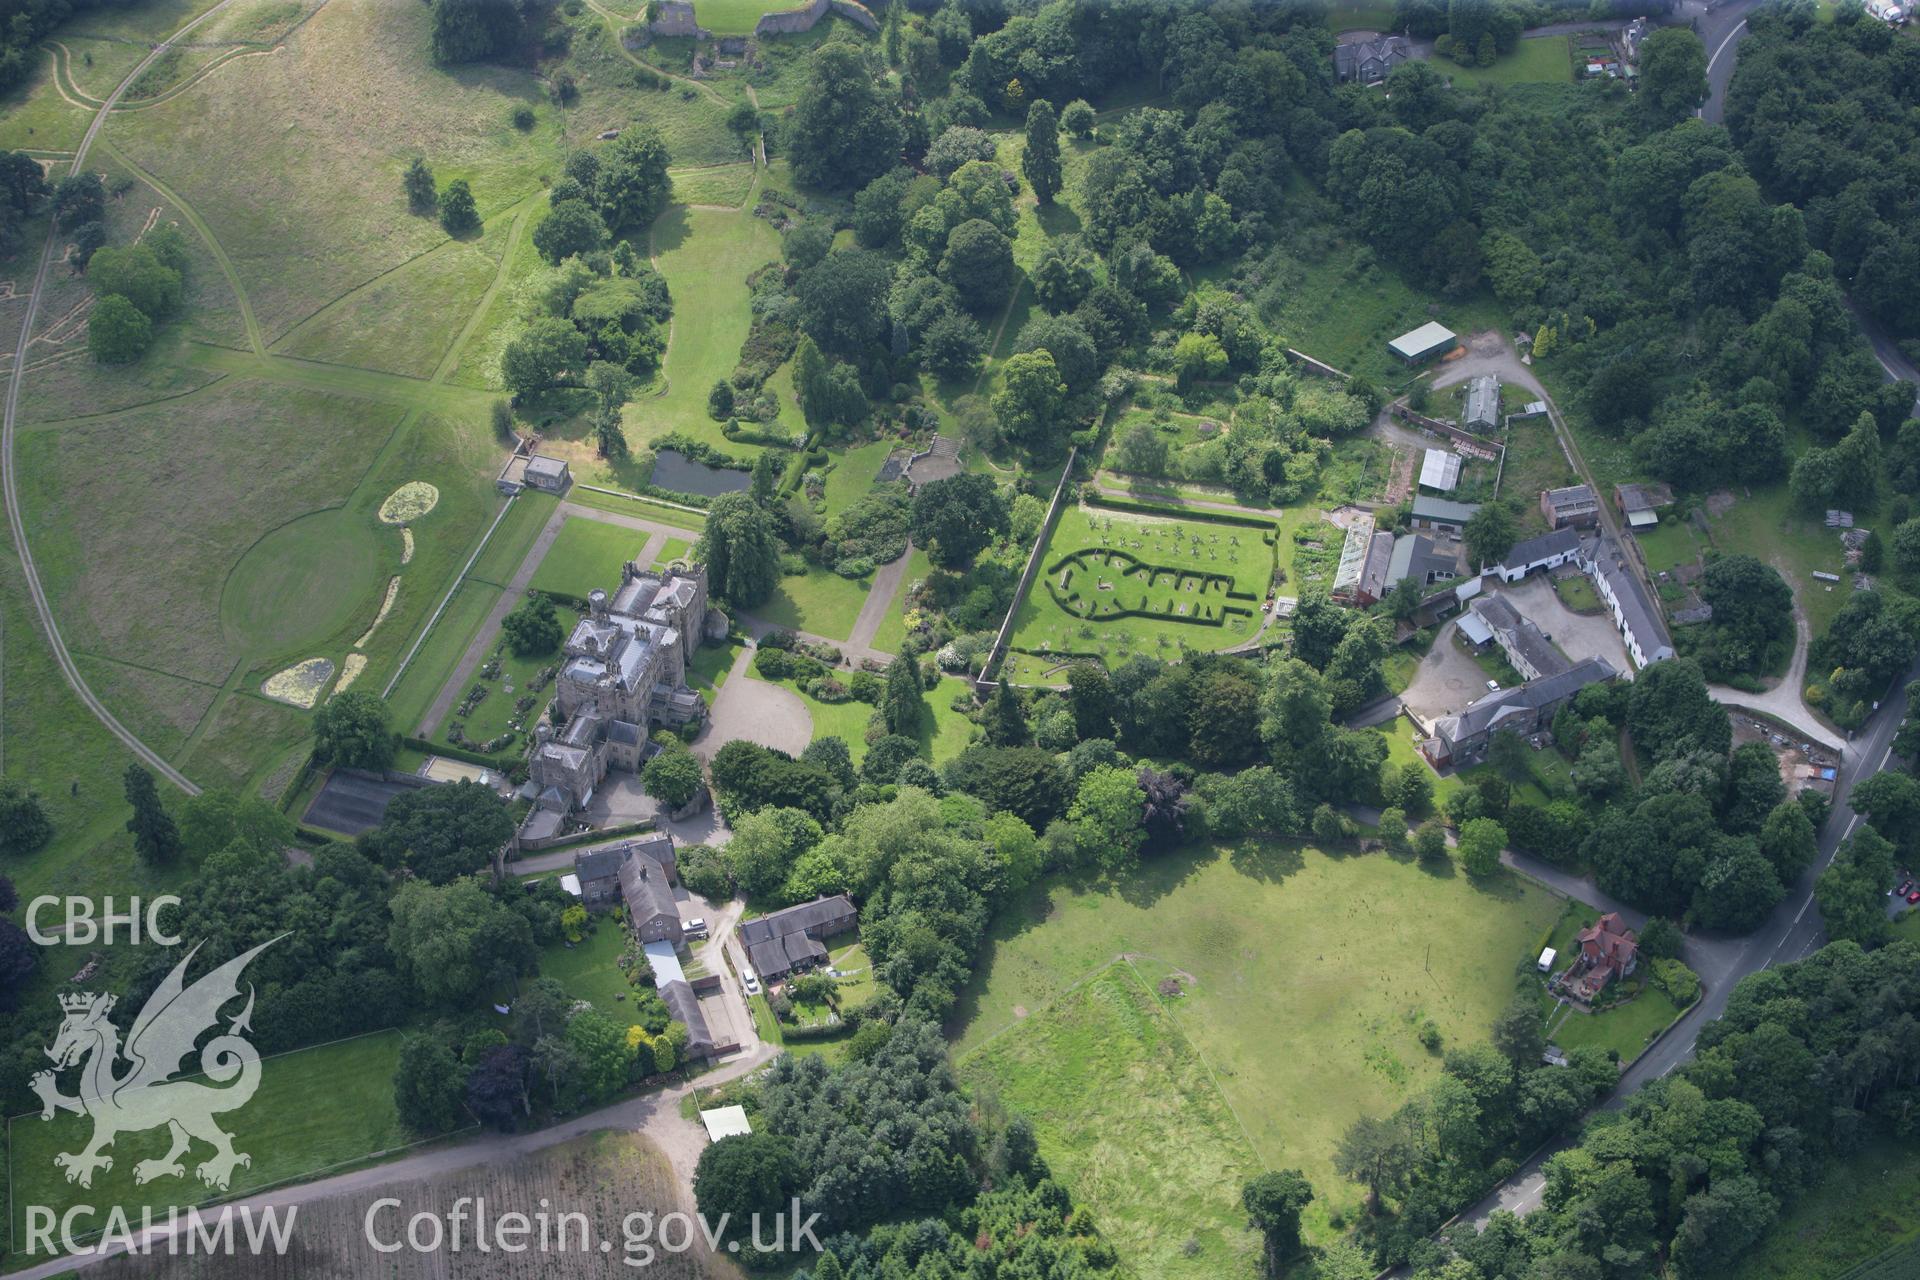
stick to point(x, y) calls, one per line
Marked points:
point(590, 970)
point(1240, 556)
point(819, 602)
point(1129, 1116)
point(1360, 15)
point(658, 512)
point(712, 663)
point(315, 1109)
point(1311, 978)
point(1862, 1207)
point(1669, 544)
point(853, 474)
point(1542, 60)
point(1625, 1029)
point(513, 538)
point(706, 256)
point(1577, 593)
point(721, 184)
point(736, 17)
point(672, 549)
point(587, 555)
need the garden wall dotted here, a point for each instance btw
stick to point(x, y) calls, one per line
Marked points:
point(997, 654)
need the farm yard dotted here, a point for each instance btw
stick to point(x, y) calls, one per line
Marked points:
point(1273, 946)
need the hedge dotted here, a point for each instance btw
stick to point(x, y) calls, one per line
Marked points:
point(1201, 514)
point(502, 763)
point(830, 1031)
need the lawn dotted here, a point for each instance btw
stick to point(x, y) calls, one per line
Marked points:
point(853, 474)
point(736, 17)
point(1285, 947)
point(1100, 562)
point(1767, 525)
point(706, 257)
point(893, 627)
point(590, 969)
point(1360, 15)
point(819, 602)
point(1576, 592)
point(671, 550)
point(1541, 60)
point(1862, 1207)
point(585, 556)
point(517, 691)
point(1129, 1116)
point(316, 1109)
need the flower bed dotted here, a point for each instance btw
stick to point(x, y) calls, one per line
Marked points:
point(409, 502)
point(300, 684)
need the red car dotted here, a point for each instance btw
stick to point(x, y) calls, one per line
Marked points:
point(1913, 897)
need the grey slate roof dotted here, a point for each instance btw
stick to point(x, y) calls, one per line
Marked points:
point(1639, 616)
point(1487, 713)
point(598, 864)
point(643, 883)
point(823, 915)
point(1483, 401)
point(1534, 647)
point(685, 1007)
point(1560, 541)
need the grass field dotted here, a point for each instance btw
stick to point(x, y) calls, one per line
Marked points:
point(1234, 558)
point(587, 555)
point(1129, 1116)
point(1542, 60)
point(1327, 296)
point(1285, 947)
point(99, 547)
point(315, 1109)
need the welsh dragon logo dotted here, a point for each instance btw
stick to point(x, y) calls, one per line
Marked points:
point(144, 1096)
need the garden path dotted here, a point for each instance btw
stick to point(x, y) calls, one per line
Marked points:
point(478, 648)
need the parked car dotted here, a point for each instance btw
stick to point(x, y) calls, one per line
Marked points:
point(1493, 686)
point(697, 928)
point(1913, 897)
point(753, 985)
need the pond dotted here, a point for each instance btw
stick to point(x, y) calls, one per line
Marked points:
point(676, 471)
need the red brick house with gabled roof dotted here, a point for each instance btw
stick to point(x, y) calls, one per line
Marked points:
point(1608, 950)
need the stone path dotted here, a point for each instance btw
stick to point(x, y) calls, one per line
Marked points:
point(478, 648)
point(887, 580)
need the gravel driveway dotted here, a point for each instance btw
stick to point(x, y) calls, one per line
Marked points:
point(757, 711)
